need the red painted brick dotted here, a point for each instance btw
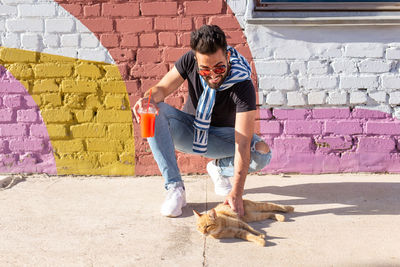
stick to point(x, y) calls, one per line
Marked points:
point(123, 70)
point(270, 127)
point(146, 84)
point(121, 9)
point(6, 115)
point(375, 144)
point(92, 11)
point(132, 86)
point(121, 55)
point(235, 37)
point(227, 22)
point(244, 50)
point(199, 21)
point(74, 9)
point(172, 54)
point(343, 127)
point(203, 7)
point(99, 25)
point(148, 55)
point(167, 39)
point(159, 8)
point(297, 144)
point(331, 113)
point(13, 130)
point(385, 128)
point(184, 39)
point(134, 25)
point(173, 24)
point(290, 114)
point(109, 40)
point(149, 70)
point(303, 127)
point(129, 40)
point(148, 40)
point(176, 102)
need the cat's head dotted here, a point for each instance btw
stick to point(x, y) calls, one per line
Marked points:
point(206, 223)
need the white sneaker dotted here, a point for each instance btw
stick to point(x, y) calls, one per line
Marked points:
point(222, 185)
point(174, 202)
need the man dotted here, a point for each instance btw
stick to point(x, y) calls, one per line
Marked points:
point(221, 128)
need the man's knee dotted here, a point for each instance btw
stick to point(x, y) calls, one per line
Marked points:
point(262, 147)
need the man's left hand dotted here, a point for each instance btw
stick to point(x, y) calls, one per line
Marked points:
point(235, 201)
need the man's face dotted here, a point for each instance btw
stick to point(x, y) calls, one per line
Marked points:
point(212, 67)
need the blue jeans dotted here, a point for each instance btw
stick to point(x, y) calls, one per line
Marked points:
point(174, 130)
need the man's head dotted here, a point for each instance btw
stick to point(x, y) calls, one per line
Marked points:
point(209, 45)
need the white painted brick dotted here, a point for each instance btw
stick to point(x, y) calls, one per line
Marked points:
point(279, 83)
point(356, 82)
point(394, 98)
point(91, 54)
point(364, 50)
point(345, 66)
point(261, 98)
point(396, 112)
point(358, 98)
point(332, 51)
point(295, 99)
point(393, 53)
point(37, 10)
point(379, 96)
point(89, 41)
point(51, 40)
point(391, 82)
point(70, 40)
point(62, 13)
point(31, 41)
point(382, 108)
point(375, 66)
point(59, 25)
point(14, 2)
point(292, 52)
point(82, 28)
point(6, 10)
point(337, 98)
point(65, 51)
point(2, 26)
point(276, 98)
point(316, 98)
point(298, 67)
point(11, 40)
point(317, 67)
point(24, 25)
point(321, 82)
point(237, 6)
point(271, 67)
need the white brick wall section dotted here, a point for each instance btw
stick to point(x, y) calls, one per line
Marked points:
point(59, 25)
point(298, 67)
point(317, 67)
point(364, 50)
point(24, 25)
point(394, 98)
point(379, 96)
point(355, 82)
point(393, 53)
point(294, 51)
point(70, 40)
point(2, 26)
point(271, 67)
point(10, 40)
point(37, 10)
point(391, 82)
point(31, 41)
point(358, 98)
point(279, 83)
point(295, 99)
point(6, 10)
point(375, 66)
point(330, 51)
point(396, 113)
point(276, 98)
point(89, 41)
point(91, 54)
point(343, 65)
point(14, 2)
point(337, 98)
point(65, 51)
point(51, 40)
point(316, 98)
point(322, 82)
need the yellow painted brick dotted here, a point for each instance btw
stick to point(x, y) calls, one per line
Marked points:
point(112, 72)
point(129, 145)
point(68, 146)
point(52, 99)
point(88, 70)
point(88, 130)
point(116, 168)
point(116, 101)
point(74, 86)
point(108, 158)
point(57, 131)
point(104, 145)
point(26, 84)
point(48, 85)
point(52, 70)
point(21, 70)
point(114, 116)
point(14, 55)
point(93, 101)
point(113, 86)
point(120, 131)
point(74, 100)
point(127, 158)
point(37, 99)
point(83, 115)
point(56, 115)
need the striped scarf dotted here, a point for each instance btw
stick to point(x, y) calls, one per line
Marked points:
point(240, 71)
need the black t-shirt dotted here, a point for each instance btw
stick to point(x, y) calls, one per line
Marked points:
point(240, 97)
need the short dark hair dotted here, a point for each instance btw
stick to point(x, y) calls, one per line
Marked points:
point(208, 39)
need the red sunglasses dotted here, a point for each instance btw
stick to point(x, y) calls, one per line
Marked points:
point(217, 70)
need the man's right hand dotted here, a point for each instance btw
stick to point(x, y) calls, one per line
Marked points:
point(142, 103)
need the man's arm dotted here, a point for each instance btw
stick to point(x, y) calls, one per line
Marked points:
point(244, 130)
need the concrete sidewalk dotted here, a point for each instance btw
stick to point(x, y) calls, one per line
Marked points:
point(339, 220)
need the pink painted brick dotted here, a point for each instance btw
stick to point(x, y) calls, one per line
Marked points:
point(331, 113)
point(12, 86)
point(3, 146)
point(290, 114)
point(39, 130)
point(265, 113)
point(270, 127)
point(303, 127)
point(331, 143)
point(8, 159)
point(13, 130)
point(1, 100)
point(27, 115)
point(32, 145)
point(369, 114)
point(374, 161)
point(6, 115)
point(293, 144)
point(29, 101)
point(12, 101)
point(376, 144)
point(343, 127)
point(386, 128)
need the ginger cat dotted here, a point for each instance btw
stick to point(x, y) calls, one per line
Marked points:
point(223, 222)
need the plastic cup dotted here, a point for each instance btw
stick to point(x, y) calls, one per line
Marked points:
point(147, 121)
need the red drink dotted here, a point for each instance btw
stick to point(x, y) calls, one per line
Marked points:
point(147, 122)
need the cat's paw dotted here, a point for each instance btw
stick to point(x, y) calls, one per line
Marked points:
point(261, 242)
point(263, 236)
point(279, 217)
point(289, 208)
